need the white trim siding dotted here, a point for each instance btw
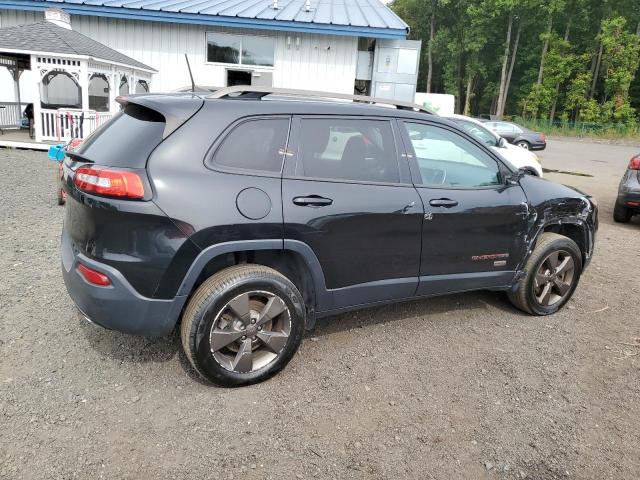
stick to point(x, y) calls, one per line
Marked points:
point(312, 62)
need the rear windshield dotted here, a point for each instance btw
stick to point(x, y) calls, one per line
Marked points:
point(127, 140)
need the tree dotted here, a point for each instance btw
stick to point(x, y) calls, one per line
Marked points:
point(620, 61)
point(573, 58)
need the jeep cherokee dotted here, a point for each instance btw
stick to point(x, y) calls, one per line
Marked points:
point(246, 215)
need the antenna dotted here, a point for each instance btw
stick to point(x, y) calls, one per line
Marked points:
point(193, 84)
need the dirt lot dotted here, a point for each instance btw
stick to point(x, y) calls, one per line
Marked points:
point(454, 387)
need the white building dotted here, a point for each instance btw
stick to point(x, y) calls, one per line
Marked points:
point(343, 46)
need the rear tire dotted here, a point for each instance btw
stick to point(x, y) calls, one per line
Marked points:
point(243, 325)
point(552, 273)
point(524, 144)
point(621, 213)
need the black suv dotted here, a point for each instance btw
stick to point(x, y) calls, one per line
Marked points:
point(246, 215)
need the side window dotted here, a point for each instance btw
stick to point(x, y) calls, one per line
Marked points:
point(505, 127)
point(446, 159)
point(255, 145)
point(346, 149)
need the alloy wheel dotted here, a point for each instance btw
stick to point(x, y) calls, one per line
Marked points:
point(554, 278)
point(250, 331)
point(524, 145)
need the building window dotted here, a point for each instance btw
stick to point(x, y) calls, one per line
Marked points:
point(98, 93)
point(60, 90)
point(240, 49)
point(142, 86)
point(124, 86)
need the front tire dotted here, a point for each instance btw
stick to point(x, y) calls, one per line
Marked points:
point(621, 213)
point(551, 276)
point(243, 325)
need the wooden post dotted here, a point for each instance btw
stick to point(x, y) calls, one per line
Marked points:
point(37, 117)
point(113, 91)
point(84, 84)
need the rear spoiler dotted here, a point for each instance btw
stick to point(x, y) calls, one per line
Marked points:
point(175, 108)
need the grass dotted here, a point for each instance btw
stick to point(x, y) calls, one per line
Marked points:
point(609, 131)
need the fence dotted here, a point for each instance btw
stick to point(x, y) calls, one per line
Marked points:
point(10, 114)
point(65, 124)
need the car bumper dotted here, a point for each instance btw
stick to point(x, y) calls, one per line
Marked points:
point(629, 190)
point(629, 198)
point(538, 146)
point(117, 306)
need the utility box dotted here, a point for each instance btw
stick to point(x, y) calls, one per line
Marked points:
point(395, 69)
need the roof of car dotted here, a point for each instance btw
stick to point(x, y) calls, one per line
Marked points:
point(237, 107)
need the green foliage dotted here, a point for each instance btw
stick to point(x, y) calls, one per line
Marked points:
point(469, 47)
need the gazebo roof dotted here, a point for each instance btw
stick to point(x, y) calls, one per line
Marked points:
point(47, 38)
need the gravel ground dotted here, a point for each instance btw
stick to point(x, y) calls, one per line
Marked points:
point(454, 387)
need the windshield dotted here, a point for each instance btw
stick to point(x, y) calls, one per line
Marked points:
point(478, 131)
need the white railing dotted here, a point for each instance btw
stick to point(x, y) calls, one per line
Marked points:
point(64, 124)
point(10, 115)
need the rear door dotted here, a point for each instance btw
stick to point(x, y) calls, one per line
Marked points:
point(473, 233)
point(347, 196)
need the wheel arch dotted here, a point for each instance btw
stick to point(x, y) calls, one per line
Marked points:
point(574, 230)
point(292, 258)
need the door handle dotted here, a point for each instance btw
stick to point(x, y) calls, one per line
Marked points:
point(443, 202)
point(312, 201)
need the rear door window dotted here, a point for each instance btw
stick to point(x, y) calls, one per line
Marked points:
point(347, 149)
point(126, 140)
point(256, 145)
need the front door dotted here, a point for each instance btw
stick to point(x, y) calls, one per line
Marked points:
point(346, 196)
point(474, 223)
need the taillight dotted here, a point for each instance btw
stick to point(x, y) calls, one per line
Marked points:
point(109, 182)
point(93, 276)
point(543, 137)
point(634, 164)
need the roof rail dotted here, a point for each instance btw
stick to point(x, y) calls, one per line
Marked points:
point(249, 92)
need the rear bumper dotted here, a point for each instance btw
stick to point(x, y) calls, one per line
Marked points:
point(630, 199)
point(538, 146)
point(118, 306)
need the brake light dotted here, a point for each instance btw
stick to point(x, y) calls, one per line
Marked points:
point(93, 276)
point(543, 137)
point(634, 164)
point(109, 182)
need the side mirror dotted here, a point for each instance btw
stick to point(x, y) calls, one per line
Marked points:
point(515, 177)
point(502, 143)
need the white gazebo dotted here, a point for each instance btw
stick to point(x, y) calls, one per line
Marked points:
point(75, 82)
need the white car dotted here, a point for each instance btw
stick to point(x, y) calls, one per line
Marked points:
point(516, 156)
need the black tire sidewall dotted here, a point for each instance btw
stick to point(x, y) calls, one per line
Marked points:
point(560, 244)
point(205, 316)
point(621, 213)
point(523, 142)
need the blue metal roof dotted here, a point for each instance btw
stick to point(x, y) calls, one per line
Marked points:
point(360, 18)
